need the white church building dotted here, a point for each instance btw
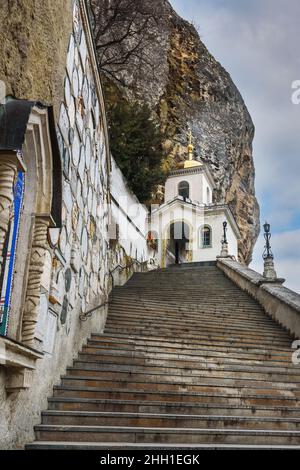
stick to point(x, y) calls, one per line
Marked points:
point(188, 226)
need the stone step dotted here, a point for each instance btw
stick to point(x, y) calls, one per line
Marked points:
point(187, 360)
point(197, 345)
point(151, 420)
point(194, 285)
point(155, 384)
point(197, 287)
point(185, 282)
point(205, 333)
point(144, 406)
point(172, 435)
point(172, 295)
point(186, 325)
point(240, 306)
point(249, 399)
point(142, 351)
point(194, 313)
point(60, 445)
point(190, 334)
point(242, 313)
point(203, 382)
point(197, 290)
point(184, 279)
point(199, 315)
point(201, 322)
point(190, 301)
point(185, 370)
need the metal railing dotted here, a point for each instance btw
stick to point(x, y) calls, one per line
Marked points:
point(85, 315)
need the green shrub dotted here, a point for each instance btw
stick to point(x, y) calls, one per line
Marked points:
point(136, 145)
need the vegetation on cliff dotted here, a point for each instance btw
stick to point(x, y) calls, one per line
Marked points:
point(136, 143)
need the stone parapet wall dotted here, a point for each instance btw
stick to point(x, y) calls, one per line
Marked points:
point(282, 304)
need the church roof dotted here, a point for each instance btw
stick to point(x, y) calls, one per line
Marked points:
point(202, 168)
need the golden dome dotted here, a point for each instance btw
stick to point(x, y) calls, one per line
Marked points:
point(191, 163)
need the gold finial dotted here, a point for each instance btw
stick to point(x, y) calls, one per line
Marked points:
point(190, 163)
point(190, 146)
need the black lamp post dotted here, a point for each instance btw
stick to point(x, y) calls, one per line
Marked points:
point(267, 251)
point(224, 232)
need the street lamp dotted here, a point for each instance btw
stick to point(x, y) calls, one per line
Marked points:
point(269, 270)
point(224, 232)
point(224, 242)
point(267, 251)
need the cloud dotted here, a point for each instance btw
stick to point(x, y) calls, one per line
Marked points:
point(258, 44)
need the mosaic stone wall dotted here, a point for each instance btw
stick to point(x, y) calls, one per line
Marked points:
point(76, 267)
point(81, 247)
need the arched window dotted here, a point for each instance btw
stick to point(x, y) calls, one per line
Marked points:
point(205, 237)
point(184, 189)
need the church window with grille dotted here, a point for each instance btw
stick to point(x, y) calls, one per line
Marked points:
point(184, 189)
point(206, 237)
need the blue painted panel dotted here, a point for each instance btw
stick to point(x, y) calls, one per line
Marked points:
point(7, 284)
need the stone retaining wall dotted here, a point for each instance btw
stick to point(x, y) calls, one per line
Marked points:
point(282, 304)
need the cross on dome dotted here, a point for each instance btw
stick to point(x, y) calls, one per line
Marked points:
point(191, 162)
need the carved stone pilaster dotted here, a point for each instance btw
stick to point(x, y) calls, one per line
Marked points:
point(8, 171)
point(39, 248)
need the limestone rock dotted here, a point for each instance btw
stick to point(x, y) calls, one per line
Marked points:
point(186, 87)
point(34, 38)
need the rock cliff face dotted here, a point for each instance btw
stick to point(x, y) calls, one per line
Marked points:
point(186, 87)
point(34, 40)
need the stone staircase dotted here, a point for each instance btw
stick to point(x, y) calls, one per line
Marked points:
point(187, 360)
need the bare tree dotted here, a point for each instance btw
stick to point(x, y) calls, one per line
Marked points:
point(123, 30)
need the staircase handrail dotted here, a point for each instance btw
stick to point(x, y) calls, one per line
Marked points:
point(85, 315)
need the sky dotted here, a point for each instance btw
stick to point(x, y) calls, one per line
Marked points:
point(257, 42)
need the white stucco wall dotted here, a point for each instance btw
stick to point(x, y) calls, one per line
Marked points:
point(215, 221)
point(198, 187)
point(195, 217)
point(129, 214)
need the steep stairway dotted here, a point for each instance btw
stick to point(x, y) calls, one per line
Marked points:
point(187, 360)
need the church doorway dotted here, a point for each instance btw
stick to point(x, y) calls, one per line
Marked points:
point(178, 243)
